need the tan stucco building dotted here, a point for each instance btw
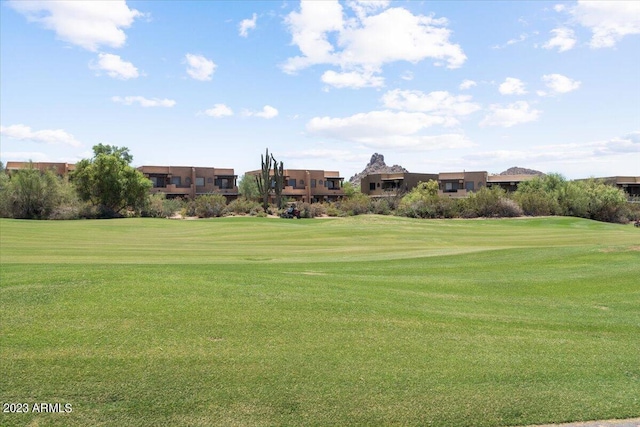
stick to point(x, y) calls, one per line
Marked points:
point(191, 181)
point(310, 186)
point(392, 184)
point(60, 169)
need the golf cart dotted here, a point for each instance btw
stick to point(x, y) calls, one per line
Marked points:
point(291, 212)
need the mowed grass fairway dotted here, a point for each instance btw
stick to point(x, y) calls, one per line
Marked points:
point(358, 321)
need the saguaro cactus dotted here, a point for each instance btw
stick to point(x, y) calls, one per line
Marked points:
point(264, 179)
point(278, 179)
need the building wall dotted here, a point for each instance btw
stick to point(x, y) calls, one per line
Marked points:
point(310, 185)
point(460, 184)
point(508, 183)
point(60, 169)
point(189, 181)
point(392, 184)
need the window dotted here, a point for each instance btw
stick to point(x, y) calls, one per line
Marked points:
point(448, 186)
point(222, 183)
point(372, 186)
point(313, 183)
point(292, 183)
point(468, 185)
point(321, 183)
point(378, 185)
point(199, 182)
point(154, 180)
point(302, 182)
point(175, 180)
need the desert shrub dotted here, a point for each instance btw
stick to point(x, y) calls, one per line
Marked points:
point(209, 205)
point(537, 203)
point(311, 210)
point(32, 194)
point(542, 195)
point(575, 200)
point(242, 205)
point(490, 202)
point(159, 206)
point(423, 201)
point(357, 204)
point(632, 211)
point(380, 207)
point(332, 210)
point(507, 208)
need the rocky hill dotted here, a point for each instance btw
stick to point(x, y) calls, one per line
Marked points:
point(375, 165)
point(521, 171)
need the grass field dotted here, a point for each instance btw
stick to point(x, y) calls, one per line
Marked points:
point(358, 321)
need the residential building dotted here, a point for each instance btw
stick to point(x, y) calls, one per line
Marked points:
point(310, 185)
point(630, 184)
point(460, 184)
point(190, 181)
point(392, 184)
point(60, 169)
point(508, 182)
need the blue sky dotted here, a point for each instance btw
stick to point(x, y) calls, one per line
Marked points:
point(434, 86)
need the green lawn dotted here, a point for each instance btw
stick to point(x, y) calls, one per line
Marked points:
point(358, 321)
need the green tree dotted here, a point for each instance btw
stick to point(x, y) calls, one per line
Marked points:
point(248, 187)
point(109, 182)
point(31, 194)
point(4, 193)
point(349, 190)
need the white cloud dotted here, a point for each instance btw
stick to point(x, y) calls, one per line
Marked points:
point(407, 75)
point(219, 110)
point(323, 154)
point(388, 129)
point(558, 84)
point(590, 151)
point(398, 35)
point(88, 24)
point(366, 42)
point(511, 115)
point(512, 86)
point(246, 25)
point(199, 67)
point(467, 84)
point(363, 8)
point(559, 7)
point(309, 29)
point(268, 112)
point(510, 42)
point(144, 102)
point(609, 21)
point(563, 38)
point(24, 156)
point(47, 136)
point(439, 102)
point(353, 79)
point(115, 67)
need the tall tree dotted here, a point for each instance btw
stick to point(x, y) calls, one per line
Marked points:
point(109, 182)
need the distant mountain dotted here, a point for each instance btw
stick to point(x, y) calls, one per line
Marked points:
point(521, 171)
point(376, 165)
